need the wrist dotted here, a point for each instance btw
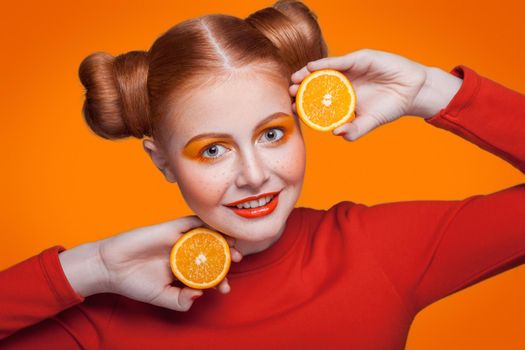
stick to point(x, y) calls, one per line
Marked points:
point(84, 269)
point(437, 92)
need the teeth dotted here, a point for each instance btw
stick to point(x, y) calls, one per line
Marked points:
point(256, 203)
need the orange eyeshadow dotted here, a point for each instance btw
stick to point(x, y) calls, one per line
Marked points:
point(285, 122)
point(194, 148)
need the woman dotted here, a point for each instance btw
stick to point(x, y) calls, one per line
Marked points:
point(214, 96)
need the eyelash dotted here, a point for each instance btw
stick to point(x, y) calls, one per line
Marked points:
point(218, 144)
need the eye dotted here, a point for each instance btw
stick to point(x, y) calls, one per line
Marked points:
point(214, 151)
point(272, 134)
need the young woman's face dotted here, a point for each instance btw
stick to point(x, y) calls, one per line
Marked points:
point(233, 140)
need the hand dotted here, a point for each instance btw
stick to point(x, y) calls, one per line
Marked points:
point(136, 264)
point(387, 87)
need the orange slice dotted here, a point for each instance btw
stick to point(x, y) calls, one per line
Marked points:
point(325, 100)
point(200, 258)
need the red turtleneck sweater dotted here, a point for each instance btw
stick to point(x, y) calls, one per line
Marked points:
point(352, 276)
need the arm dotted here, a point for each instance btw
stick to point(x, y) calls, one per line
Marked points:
point(431, 249)
point(44, 298)
point(41, 309)
point(487, 114)
point(34, 290)
point(48, 334)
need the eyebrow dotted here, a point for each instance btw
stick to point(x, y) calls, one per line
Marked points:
point(228, 136)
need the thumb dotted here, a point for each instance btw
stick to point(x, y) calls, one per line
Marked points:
point(357, 128)
point(176, 298)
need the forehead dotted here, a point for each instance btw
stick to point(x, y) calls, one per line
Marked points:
point(233, 104)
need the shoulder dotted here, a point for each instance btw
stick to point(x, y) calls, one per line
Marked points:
point(336, 214)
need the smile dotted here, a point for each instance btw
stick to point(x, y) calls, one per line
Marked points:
point(256, 206)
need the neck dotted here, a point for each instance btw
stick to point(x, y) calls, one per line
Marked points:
point(250, 247)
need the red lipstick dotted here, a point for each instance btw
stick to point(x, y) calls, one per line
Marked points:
point(252, 198)
point(258, 211)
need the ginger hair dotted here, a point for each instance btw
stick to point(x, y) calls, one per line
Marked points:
point(129, 94)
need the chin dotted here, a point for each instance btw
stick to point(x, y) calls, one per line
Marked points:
point(264, 229)
point(258, 234)
point(252, 230)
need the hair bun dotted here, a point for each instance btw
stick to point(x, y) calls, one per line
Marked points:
point(293, 29)
point(116, 103)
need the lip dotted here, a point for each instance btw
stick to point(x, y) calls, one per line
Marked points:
point(251, 213)
point(252, 198)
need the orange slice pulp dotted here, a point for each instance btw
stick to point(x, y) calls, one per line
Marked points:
point(325, 100)
point(200, 258)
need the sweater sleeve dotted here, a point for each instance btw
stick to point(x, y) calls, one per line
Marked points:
point(35, 290)
point(431, 249)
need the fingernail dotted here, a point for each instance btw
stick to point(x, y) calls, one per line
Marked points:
point(340, 133)
point(196, 296)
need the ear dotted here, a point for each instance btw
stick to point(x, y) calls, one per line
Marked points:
point(159, 159)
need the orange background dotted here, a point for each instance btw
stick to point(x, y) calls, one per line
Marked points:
point(64, 185)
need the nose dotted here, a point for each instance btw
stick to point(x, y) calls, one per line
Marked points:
point(253, 171)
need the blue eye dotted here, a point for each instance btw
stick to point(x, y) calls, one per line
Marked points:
point(214, 151)
point(273, 134)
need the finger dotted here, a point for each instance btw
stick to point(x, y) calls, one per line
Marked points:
point(176, 298)
point(294, 108)
point(293, 89)
point(224, 286)
point(356, 62)
point(209, 227)
point(165, 233)
point(357, 128)
point(298, 76)
point(186, 223)
point(235, 254)
point(230, 240)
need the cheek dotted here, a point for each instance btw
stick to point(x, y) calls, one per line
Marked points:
point(203, 186)
point(289, 161)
